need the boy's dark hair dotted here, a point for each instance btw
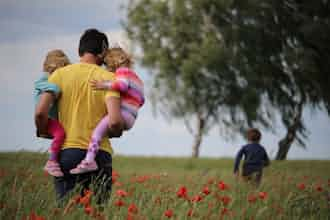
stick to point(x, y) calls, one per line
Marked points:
point(94, 42)
point(253, 135)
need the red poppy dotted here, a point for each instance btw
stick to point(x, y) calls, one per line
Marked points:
point(252, 198)
point(206, 190)
point(222, 185)
point(225, 200)
point(301, 186)
point(196, 198)
point(34, 216)
point(168, 213)
point(121, 193)
point(88, 209)
point(182, 192)
point(132, 208)
point(319, 188)
point(86, 199)
point(190, 212)
point(119, 203)
point(263, 195)
point(224, 211)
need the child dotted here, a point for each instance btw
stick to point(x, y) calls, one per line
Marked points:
point(55, 59)
point(130, 87)
point(255, 157)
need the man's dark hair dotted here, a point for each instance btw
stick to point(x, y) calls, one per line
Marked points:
point(93, 41)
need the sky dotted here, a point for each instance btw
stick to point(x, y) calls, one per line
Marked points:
point(31, 28)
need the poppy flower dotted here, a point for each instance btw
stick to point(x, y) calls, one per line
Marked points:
point(301, 186)
point(182, 192)
point(190, 212)
point(225, 200)
point(196, 198)
point(319, 188)
point(132, 208)
point(222, 185)
point(206, 190)
point(263, 195)
point(252, 198)
point(224, 211)
point(88, 209)
point(121, 193)
point(168, 213)
point(119, 203)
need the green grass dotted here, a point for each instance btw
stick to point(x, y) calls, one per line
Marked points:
point(26, 192)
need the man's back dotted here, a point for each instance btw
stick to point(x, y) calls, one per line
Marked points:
point(80, 107)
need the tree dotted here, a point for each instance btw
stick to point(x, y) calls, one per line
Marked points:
point(193, 77)
point(276, 40)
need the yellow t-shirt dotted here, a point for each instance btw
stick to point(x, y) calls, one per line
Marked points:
point(81, 107)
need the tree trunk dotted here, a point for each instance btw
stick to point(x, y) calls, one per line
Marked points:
point(285, 144)
point(198, 136)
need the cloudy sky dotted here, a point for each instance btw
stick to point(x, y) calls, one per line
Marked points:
point(30, 28)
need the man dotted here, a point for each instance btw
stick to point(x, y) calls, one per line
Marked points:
point(80, 109)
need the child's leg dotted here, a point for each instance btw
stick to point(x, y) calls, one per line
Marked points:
point(56, 130)
point(97, 136)
point(89, 164)
point(129, 119)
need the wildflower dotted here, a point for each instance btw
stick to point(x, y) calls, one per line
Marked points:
point(88, 209)
point(119, 203)
point(182, 192)
point(222, 185)
point(224, 211)
point(34, 216)
point(301, 186)
point(121, 193)
point(168, 213)
point(225, 200)
point(206, 190)
point(190, 212)
point(210, 181)
point(263, 195)
point(132, 208)
point(196, 198)
point(118, 184)
point(319, 188)
point(252, 198)
point(86, 199)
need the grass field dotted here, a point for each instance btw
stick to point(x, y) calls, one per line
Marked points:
point(170, 188)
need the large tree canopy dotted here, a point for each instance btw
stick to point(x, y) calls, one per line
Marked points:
point(233, 63)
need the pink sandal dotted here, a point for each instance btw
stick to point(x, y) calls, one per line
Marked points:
point(84, 167)
point(53, 168)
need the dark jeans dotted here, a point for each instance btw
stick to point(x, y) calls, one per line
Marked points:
point(101, 179)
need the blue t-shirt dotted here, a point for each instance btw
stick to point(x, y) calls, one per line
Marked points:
point(42, 85)
point(255, 158)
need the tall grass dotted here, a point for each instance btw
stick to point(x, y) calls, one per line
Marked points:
point(149, 188)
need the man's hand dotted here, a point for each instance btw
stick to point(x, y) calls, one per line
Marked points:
point(116, 123)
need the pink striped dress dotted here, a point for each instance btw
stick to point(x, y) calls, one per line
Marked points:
point(131, 91)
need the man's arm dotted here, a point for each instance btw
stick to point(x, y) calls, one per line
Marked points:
point(116, 124)
point(41, 113)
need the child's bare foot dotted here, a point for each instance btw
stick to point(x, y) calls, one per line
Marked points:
point(84, 166)
point(53, 168)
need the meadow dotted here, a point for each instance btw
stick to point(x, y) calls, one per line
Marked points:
point(169, 188)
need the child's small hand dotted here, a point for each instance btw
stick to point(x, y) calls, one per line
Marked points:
point(97, 85)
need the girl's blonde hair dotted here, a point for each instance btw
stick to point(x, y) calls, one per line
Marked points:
point(55, 59)
point(116, 57)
